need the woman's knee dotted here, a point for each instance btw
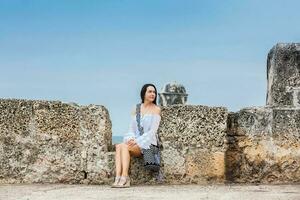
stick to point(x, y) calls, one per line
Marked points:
point(123, 146)
point(118, 146)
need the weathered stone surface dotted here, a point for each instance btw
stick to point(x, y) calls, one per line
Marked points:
point(263, 142)
point(193, 144)
point(43, 141)
point(51, 141)
point(283, 73)
point(55, 142)
point(263, 145)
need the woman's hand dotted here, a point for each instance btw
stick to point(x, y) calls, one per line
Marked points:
point(131, 142)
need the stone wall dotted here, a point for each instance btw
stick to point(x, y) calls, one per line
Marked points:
point(193, 144)
point(264, 146)
point(53, 142)
point(264, 142)
point(283, 74)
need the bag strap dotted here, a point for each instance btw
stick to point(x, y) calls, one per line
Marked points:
point(138, 119)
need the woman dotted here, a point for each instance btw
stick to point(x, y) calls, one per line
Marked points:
point(133, 142)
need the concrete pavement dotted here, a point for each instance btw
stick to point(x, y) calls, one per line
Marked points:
point(162, 192)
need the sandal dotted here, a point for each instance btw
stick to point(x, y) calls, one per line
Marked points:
point(124, 182)
point(115, 184)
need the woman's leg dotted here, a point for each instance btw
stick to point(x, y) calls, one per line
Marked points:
point(125, 158)
point(118, 160)
point(126, 152)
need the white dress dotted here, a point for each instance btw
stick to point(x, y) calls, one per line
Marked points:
point(150, 122)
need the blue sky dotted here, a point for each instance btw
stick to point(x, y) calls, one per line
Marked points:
point(102, 52)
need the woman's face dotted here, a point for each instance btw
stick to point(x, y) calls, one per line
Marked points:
point(150, 94)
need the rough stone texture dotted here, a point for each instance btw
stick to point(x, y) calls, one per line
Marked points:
point(283, 73)
point(264, 145)
point(43, 141)
point(193, 146)
point(264, 142)
point(55, 142)
point(51, 141)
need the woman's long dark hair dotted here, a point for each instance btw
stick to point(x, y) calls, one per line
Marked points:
point(143, 92)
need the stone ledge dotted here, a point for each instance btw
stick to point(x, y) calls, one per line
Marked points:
point(264, 146)
point(52, 142)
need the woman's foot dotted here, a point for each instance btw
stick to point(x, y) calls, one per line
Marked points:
point(124, 182)
point(117, 179)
